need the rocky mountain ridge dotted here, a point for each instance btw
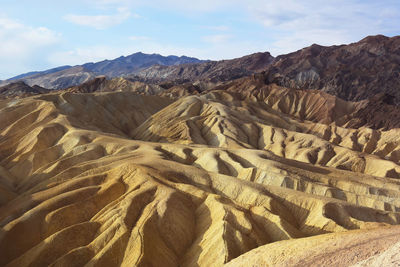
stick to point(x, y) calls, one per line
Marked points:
point(352, 72)
point(67, 76)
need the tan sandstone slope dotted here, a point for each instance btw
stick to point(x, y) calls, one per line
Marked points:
point(120, 179)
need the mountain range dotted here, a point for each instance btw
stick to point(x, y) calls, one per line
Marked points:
point(66, 76)
point(352, 72)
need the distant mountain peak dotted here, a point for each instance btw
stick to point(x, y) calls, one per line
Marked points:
point(67, 76)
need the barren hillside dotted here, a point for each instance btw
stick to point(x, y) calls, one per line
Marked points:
point(122, 179)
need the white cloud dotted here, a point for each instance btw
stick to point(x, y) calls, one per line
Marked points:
point(290, 24)
point(22, 38)
point(101, 22)
point(19, 45)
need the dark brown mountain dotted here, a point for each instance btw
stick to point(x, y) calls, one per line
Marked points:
point(212, 71)
point(20, 89)
point(353, 72)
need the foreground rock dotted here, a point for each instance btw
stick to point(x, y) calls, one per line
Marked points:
point(375, 247)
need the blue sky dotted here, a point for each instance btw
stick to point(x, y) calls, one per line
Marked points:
point(37, 35)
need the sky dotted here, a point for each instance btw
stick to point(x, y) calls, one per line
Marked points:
point(42, 34)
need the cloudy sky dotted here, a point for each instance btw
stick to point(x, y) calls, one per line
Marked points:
point(41, 34)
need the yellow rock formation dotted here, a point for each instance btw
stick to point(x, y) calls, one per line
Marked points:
point(120, 179)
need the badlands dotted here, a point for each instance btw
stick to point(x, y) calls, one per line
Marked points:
point(245, 173)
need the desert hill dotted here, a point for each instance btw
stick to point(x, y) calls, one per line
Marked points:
point(169, 89)
point(377, 112)
point(119, 178)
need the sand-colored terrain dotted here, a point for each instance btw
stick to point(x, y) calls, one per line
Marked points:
point(379, 247)
point(121, 179)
